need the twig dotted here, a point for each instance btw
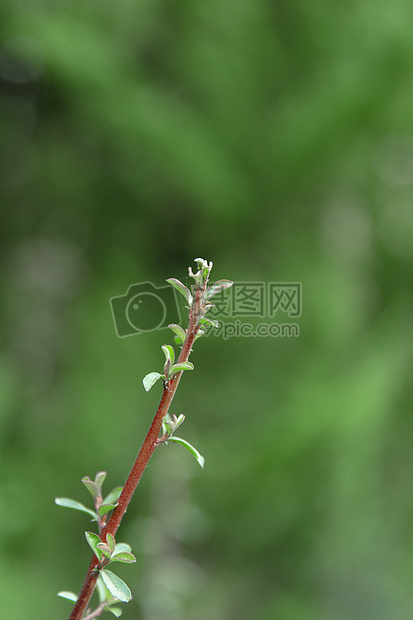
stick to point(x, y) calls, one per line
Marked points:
point(147, 449)
point(97, 612)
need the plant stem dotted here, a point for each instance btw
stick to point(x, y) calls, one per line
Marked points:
point(98, 611)
point(147, 449)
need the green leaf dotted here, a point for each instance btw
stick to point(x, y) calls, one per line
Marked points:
point(206, 321)
point(116, 586)
point(181, 288)
point(105, 508)
point(169, 425)
point(71, 503)
point(220, 285)
point(70, 596)
point(104, 548)
point(94, 540)
point(122, 548)
point(191, 449)
point(113, 496)
point(128, 558)
point(179, 367)
point(169, 353)
point(104, 595)
point(150, 379)
point(91, 487)
point(100, 478)
point(202, 274)
point(111, 541)
point(102, 590)
point(200, 333)
point(178, 420)
point(204, 266)
point(179, 332)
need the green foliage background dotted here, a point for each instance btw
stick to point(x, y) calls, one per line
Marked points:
point(275, 139)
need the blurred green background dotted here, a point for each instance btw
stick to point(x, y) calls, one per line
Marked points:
point(275, 139)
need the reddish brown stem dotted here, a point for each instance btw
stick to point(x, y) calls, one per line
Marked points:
point(147, 449)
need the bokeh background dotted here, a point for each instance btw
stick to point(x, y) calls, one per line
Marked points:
point(275, 139)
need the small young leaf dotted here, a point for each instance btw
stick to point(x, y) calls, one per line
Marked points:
point(177, 421)
point(91, 486)
point(105, 508)
point(111, 541)
point(150, 379)
point(179, 332)
point(104, 548)
point(200, 333)
point(113, 496)
point(204, 266)
point(169, 353)
point(70, 596)
point(128, 558)
point(100, 478)
point(179, 367)
point(181, 288)
point(94, 540)
point(202, 274)
point(122, 548)
point(167, 424)
point(220, 285)
point(191, 449)
point(116, 586)
point(117, 611)
point(206, 321)
point(71, 503)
